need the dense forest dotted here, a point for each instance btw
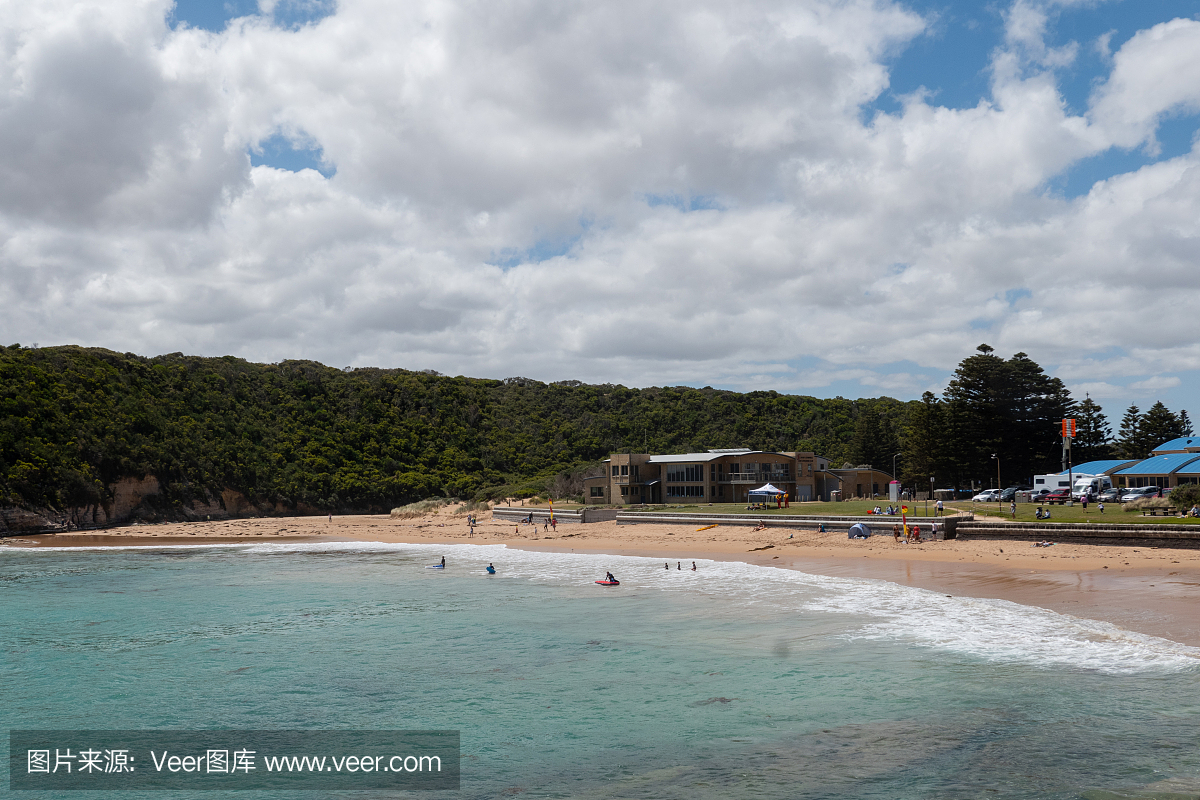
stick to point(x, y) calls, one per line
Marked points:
point(75, 420)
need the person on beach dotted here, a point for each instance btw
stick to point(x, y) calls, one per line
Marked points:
point(554, 524)
point(896, 532)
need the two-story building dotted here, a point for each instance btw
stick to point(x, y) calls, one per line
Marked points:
point(724, 476)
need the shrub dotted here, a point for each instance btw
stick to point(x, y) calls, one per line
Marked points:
point(1185, 495)
point(1147, 502)
point(420, 508)
point(471, 506)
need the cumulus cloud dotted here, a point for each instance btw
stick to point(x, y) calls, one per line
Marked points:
point(638, 193)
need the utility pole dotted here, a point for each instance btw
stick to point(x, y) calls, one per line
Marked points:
point(1068, 433)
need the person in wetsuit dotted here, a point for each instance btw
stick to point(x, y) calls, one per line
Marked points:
point(608, 576)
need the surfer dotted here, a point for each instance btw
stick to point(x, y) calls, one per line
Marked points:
point(678, 565)
point(443, 562)
point(490, 569)
point(666, 565)
point(608, 576)
point(693, 566)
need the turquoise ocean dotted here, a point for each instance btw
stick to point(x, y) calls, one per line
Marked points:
point(734, 681)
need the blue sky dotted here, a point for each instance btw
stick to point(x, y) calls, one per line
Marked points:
point(817, 197)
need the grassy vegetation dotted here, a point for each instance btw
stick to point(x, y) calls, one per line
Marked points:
point(848, 508)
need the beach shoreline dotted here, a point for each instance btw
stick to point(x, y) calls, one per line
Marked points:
point(1150, 590)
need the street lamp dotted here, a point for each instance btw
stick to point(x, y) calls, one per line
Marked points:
point(894, 468)
point(999, 502)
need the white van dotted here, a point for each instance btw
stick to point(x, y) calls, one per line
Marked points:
point(1090, 484)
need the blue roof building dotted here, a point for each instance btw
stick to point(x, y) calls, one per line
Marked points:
point(1166, 471)
point(1107, 467)
point(1184, 444)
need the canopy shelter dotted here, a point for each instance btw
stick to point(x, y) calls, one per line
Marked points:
point(766, 490)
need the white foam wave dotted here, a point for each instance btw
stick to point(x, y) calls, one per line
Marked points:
point(994, 630)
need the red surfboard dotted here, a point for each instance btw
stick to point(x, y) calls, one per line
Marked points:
point(609, 583)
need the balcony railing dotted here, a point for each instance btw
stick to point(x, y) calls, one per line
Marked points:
point(754, 477)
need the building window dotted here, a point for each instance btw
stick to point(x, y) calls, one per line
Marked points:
point(720, 491)
point(693, 473)
point(624, 469)
point(597, 491)
point(685, 491)
point(616, 470)
point(635, 472)
point(624, 491)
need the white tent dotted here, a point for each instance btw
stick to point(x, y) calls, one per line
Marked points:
point(766, 489)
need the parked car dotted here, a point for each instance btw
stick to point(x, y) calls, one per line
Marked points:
point(989, 496)
point(1060, 497)
point(1037, 495)
point(1111, 495)
point(1144, 491)
point(1009, 493)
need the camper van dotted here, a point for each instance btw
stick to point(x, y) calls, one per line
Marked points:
point(1090, 485)
point(1044, 484)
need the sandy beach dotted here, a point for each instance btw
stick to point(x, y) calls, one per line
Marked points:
point(1151, 590)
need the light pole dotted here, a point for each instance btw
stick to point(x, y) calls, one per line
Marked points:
point(894, 471)
point(999, 502)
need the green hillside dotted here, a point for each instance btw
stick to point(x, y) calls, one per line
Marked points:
point(75, 420)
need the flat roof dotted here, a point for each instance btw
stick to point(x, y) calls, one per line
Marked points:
point(710, 456)
point(1161, 465)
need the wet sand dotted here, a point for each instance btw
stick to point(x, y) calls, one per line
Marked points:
point(1146, 589)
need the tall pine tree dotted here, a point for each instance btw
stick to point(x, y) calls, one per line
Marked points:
point(1010, 409)
point(925, 437)
point(1093, 436)
point(1131, 442)
point(1159, 425)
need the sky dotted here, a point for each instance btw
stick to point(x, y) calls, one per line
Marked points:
point(816, 196)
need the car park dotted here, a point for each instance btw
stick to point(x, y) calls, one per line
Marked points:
point(1143, 491)
point(989, 496)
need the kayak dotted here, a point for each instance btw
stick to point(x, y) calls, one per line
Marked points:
point(609, 583)
point(436, 566)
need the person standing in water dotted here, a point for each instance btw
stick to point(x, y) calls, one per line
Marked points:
point(693, 566)
point(443, 561)
point(491, 570)
point(679, 565)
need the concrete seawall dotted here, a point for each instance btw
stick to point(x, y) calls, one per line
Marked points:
point(1149, 535)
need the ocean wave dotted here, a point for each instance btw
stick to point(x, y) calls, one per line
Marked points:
point(988, 629)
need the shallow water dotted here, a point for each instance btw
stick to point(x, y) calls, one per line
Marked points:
point(733, 681)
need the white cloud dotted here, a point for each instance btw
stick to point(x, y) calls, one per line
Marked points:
point(626, 192)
